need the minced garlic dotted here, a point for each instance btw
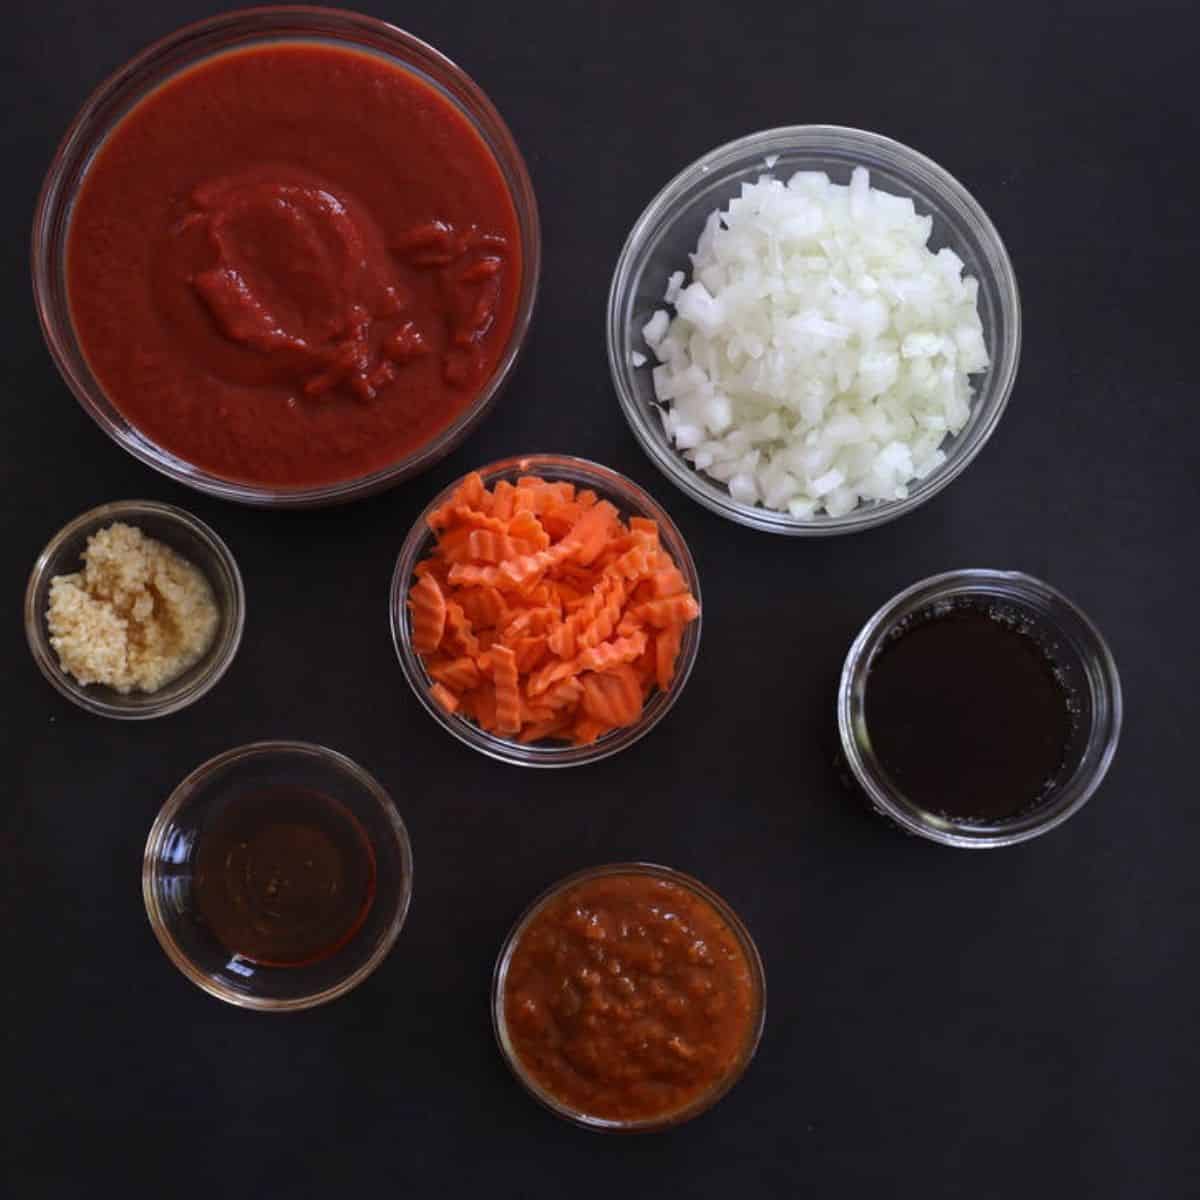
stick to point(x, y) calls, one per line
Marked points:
point(136, 617)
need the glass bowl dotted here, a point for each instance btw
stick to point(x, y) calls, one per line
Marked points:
point(629, 500)
point(1081, 659)
point(669, 229)
point(701, 1103)
point(189, 537)
point(148, 70)
point(169, 864)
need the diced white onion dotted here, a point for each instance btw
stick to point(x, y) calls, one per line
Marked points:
point(821, 352)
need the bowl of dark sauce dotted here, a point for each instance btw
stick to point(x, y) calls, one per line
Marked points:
point(277, 875)
point(979, 708)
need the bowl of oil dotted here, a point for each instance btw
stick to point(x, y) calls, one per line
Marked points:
point(277, 876)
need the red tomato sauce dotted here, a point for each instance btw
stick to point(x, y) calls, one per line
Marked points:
point(629, 998)
point(293, 265)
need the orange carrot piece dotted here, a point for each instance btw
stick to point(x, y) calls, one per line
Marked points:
point(458, 674)
point(668, 611)
point(612, 654)
point(502, 500)
point(508, 694)
point(613, 696)
point(666, 652)
point(427, 606)
point(445, 697)
point(460, 630)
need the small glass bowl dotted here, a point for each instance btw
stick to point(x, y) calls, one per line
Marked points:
point(176, 52)
point(630, 500)
point(667, 232)
point(189, 537)
point(702, 1103)
point(1081, 658)
point(169, 860)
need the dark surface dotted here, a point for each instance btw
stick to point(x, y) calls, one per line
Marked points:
point(941, 1023)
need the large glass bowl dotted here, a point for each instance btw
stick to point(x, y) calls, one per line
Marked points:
point(154, 66)
point(630, 501)
point(667, 232)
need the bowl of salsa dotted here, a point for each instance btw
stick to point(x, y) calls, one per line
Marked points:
point(628, 998)
point(287, 256)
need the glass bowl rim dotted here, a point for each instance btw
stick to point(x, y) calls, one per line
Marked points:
point(216, 661)
point(735, 925)
point(1014, 587)
point(249, 24)
point(506, 750)
point(180, 795)
point(951, 194)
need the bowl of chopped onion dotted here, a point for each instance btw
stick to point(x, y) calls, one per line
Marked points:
point(813, 330)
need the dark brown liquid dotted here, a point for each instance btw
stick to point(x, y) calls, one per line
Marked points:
point(284, 877)
point(967, 715)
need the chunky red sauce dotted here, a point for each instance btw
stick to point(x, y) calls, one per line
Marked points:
point(293, 264)
point(628, 998)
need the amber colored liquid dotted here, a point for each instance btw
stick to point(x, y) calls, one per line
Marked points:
point(284, 877)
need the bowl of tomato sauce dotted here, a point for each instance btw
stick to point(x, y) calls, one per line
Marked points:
point(287, 256)
point(628, 998)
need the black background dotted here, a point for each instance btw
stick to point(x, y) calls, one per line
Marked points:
point(941, 1023)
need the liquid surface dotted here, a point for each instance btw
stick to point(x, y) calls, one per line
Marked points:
point(293, 264)
point(284, 877)
point(628, 998)
point(966, 715)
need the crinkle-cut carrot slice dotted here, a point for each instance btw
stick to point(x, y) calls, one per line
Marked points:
point(589, 534)
point(666, 652)
point(459, 629)
point(644, 525)
point(600, 628)
point(488, 546)
point(502, 500)
point(667, 581)
point(427, 606)
point(443, 696)
point(531, 621)
point(555, 727)
point(467, 495)
point(566, 693)
point(552, 673)
point(483, 706)
point(436, 567)
point(585, 498)
point(508, 692)
point(474, 519)
point(570, 597)
point(587, 730)
point(668, 611)
point(483, 606)
point(526, 526)
point(530, 652)
point(459, 674)
point(612, 654)
point(628, 624)
point(561, 639)
point(635, 564)
point(613, 696)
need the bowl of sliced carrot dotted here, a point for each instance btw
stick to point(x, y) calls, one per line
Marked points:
point(546, 611)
